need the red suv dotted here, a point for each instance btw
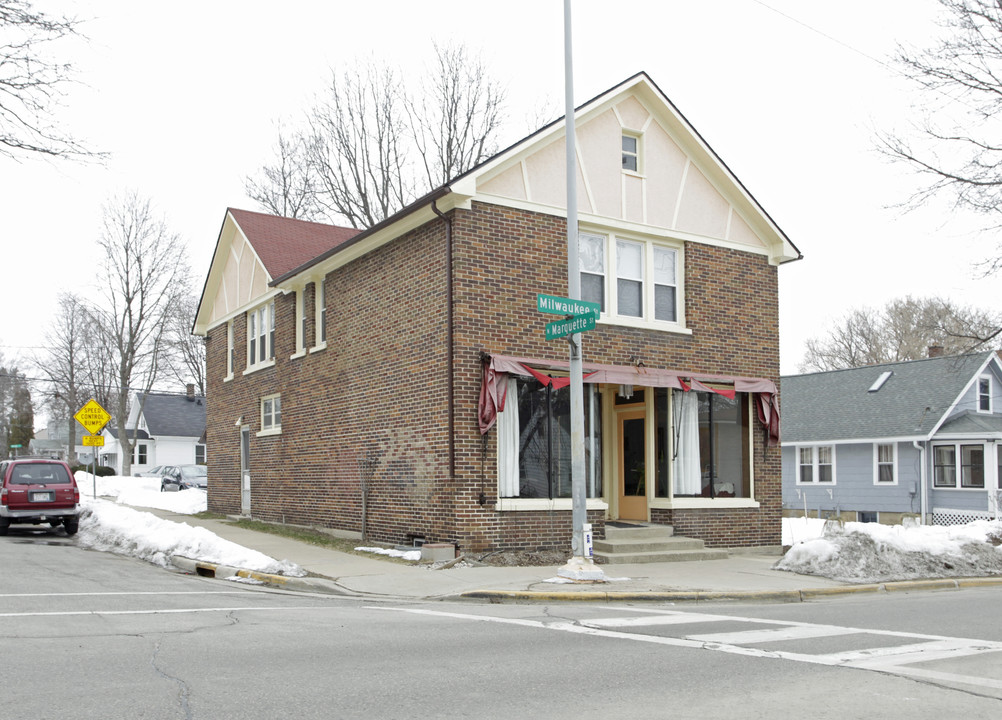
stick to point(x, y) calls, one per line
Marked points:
point(34, 491)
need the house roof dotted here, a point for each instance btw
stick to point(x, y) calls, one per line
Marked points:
point(912, 402)
point(283, 244)
point(174, 415)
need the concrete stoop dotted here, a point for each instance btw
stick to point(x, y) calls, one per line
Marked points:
point(648, 543)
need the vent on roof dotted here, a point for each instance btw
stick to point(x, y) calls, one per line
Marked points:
point(879, 383)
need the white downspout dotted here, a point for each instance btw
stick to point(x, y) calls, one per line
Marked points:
point(923, 494)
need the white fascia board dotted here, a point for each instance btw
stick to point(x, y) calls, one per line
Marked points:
point(855, 441)
point(967, 386)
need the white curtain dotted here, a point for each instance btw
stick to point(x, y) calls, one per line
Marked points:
point(686, 464)
point(507, 426)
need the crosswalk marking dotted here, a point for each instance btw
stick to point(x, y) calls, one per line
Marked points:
point(749, 637)
point(893, 660)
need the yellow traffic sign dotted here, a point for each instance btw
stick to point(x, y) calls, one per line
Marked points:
point(92, 416)
point(93, 440)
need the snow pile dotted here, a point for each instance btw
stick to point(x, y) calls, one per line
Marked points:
point(115, 527)
point(411, 555)
point(871, 552)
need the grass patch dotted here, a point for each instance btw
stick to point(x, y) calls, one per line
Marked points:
point(310, 536)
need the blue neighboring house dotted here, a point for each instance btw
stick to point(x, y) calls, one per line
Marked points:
point(919, 439)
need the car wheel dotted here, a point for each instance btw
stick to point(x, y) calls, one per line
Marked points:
point(4, 525)
point(71, 526)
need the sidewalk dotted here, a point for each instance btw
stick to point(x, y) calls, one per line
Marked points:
point(739, 577)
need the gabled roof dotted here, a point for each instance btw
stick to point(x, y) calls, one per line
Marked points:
point(253, 249)
point(749, 217)
point(283, 244)
point(913, 401)
point(174, 415)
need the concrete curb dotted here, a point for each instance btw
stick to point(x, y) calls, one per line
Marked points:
point(528, 596)
point(224, 572)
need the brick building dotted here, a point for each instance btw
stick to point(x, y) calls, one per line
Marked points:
point(396, 381)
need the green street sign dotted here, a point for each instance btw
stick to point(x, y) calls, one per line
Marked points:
point(14, 447)
point(565, 306)
point(576, 324)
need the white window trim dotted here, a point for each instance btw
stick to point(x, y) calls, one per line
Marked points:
point(273, 429)
point(815, 465)
point(545, 504)
point(876, 464)
point(991, 391)
point(264, 312)
point(639, 172)
point(610, 315)
point(319, 316)
point(300, 321)
point(958, 466)
point(229, 352)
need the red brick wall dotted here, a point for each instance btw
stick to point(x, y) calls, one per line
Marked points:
point(503, 258)
point(373, 405)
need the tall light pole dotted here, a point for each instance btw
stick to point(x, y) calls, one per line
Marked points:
point(579, 567)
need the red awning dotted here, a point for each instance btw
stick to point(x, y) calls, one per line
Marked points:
point(496, 366)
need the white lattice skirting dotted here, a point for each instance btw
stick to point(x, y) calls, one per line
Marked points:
point(943, 516)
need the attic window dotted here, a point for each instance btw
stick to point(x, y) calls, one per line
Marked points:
point(880, 381)
point(631, 153)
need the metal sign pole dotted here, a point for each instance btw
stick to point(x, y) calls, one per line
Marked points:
point(580, 566)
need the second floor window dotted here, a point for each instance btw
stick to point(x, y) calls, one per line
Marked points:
point(635, 281)
point(261, 335)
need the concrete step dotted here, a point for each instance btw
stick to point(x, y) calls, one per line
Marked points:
point(638, 531)
point(638, 545)
point(635, 542)
point(658, 556)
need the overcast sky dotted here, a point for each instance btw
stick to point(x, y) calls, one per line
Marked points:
point(185, 96)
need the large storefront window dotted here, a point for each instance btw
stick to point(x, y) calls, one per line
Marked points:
point(544, 441)
point(702, 445)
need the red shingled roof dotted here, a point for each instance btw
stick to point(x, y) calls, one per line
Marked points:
point(283, 244)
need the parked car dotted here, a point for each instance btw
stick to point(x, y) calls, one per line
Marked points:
point(35, 491)
point(155, 472)
point(184, 477)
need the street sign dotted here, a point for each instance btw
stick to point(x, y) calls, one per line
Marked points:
point(576, 324)
point(93, 440)
point(92, 416)
point(14, 447)
point(565, 306)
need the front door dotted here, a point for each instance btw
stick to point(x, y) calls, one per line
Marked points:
point(632, 435)
point(245, 489)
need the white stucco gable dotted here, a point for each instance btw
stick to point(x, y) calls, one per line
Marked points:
point(680, 188)
point(237, 278)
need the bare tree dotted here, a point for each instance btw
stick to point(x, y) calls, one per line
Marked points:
point(288, 186)
point(13, 386)
point(62, 363)
point(356, 145)
point(32, 83)
point(456, 117)
point(903, 330)
point(187, 351)
point(146, 275)
point(955, 143)
point(372, 147)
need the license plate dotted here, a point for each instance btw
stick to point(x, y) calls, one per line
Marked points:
point(42, 496)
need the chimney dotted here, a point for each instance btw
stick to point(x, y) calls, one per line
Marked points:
point(935, 351)
point(191, 389)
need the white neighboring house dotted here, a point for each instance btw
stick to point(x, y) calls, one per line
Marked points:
point(170, 431)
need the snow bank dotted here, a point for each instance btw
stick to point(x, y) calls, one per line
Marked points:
point(108, 523)
point(871, 552)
